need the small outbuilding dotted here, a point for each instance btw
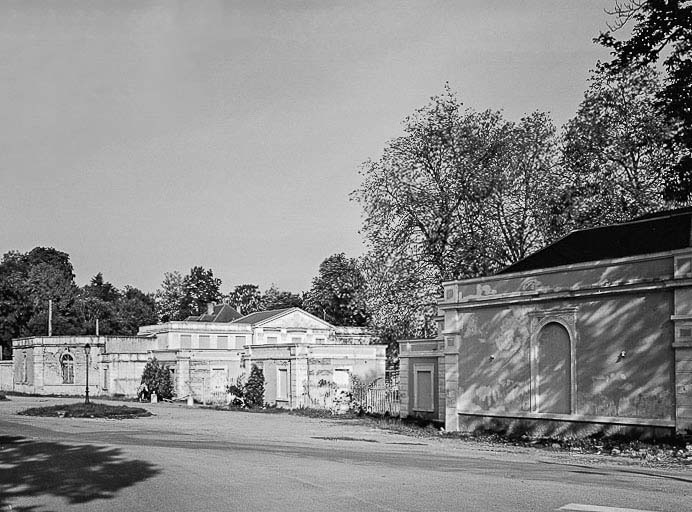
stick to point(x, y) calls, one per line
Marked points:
point(592, 333)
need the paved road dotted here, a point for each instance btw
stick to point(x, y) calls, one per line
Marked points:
point(192, 459)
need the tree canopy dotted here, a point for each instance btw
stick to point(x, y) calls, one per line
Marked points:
point(246, 299)
point(337, 292)
point(460, 194)
point(169, 297)
point(274, 298)
point(660, 29)
point(29, 280)
point(617, 151)
point(199, 288)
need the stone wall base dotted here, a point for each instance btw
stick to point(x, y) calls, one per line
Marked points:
point(537, 428)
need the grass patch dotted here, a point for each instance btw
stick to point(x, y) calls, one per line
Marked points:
point(117, 397)
point(91, 410)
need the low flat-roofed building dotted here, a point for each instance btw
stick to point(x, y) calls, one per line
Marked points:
point(594, 332)
point(301, 356)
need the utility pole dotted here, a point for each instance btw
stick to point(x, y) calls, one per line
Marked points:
point(50, 317)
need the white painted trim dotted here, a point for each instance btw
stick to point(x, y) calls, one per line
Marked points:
point(567, 318)
point(563, 293)
point(574, 266)
point(279, 396)
point(423, 367)
point(289, 311)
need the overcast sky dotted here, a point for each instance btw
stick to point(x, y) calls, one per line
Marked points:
point(144, 137)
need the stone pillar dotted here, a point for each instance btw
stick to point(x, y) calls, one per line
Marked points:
point(403, 382)
point(441, 381)
point(451, 372)
point(39, 361)
point(682, 343)
point(182, 377)
point(683, 386)
point(299, 375)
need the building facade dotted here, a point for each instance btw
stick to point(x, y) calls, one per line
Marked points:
point(304, 358)
point(592, 333)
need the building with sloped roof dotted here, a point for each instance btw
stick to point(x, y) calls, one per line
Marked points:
point(216, 313)
point(296, 350)
point(593, 332)
point(304, 358)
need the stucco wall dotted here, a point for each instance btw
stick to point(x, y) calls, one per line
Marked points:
point(422, 355)
point(494, 364)
point(6, 376)
point(311, 370)
point(605, 274)
point(495, 360)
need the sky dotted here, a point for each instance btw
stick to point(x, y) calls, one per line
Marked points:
point(143, 137)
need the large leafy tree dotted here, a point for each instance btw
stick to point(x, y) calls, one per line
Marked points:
point(514, 217)
point(15, 301)
point(199, 288)
point(182, 296)
point(419, 196)
point(169, 297)
point(617, 151)
point(274, 298)
point(460, 194)
point(660, 29)
point(119, 312)
point(50, 276)
point(246, 299)
point(135, 309)
point(98, 301)
point(337, 292)
point(28, 281)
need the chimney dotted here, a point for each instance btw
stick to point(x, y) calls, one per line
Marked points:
point(210, 308)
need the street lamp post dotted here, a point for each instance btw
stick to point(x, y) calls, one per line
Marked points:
point(87, 351)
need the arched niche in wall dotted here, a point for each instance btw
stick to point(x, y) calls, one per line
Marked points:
point(553, 361)
point(67, 368)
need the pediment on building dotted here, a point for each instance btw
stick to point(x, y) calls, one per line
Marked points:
point(294, 318)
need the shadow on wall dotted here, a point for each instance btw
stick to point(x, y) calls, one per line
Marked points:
point(76, 473)
point(624, 360)
point(551, 429)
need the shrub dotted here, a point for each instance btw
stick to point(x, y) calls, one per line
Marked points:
point(237, 392)
point(157, 378)
point(254, 388)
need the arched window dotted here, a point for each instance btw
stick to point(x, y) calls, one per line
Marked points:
point(67, 366)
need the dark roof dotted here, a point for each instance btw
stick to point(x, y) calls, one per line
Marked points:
point(255, 318)
point(222, 313)
point(225, 313)
point(651, 233)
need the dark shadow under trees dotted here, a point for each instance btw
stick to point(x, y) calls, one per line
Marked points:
point(77, 473)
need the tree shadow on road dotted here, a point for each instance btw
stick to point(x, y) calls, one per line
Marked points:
point(78, 473)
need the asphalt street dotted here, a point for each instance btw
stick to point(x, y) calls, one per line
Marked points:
point(186, 459)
